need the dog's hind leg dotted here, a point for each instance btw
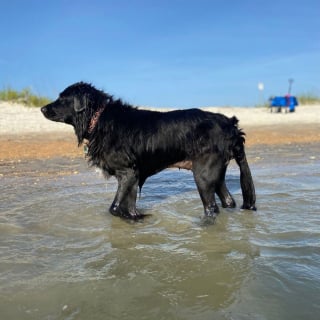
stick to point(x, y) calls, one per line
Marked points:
point(226, 198)
point(208, 172)
point(124, 203)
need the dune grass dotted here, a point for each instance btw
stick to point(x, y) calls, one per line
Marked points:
point(28, 98)
point(25, 96)
point(308, 98)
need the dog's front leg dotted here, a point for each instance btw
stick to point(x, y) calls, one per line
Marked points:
point(124, 203)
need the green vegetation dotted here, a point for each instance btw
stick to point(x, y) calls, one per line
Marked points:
point(262, 105)
point(308, 98)
point(25, 96)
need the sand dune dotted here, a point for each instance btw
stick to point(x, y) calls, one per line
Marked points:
point(15, 118)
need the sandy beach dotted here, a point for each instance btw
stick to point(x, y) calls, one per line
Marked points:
point(26, 134)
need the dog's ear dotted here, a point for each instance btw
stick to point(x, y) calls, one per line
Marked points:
point(80, 104)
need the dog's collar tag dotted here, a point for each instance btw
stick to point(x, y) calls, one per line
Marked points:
point(85, 149)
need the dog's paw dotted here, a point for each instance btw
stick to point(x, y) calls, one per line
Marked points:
point(230, 205)
point(249, 207)
point(133, 215)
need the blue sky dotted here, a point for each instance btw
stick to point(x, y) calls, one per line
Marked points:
point(164, 53)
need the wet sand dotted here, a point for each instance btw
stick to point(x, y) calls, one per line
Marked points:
point(43, 146)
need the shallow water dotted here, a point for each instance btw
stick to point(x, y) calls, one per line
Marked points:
point(63, 256)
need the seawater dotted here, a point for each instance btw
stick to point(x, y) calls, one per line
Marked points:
point(63, 256)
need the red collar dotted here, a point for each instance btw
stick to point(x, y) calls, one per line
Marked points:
point(94, 120)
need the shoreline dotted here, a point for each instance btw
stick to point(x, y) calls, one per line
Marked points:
point(26, 134)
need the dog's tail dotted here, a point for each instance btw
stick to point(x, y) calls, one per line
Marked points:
point(246, 182)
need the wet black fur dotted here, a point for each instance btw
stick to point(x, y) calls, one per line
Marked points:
point(133, 144)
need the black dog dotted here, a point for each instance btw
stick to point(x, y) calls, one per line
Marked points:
point(133, 144)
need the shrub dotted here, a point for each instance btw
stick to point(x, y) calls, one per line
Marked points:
point(308, 98)
point(25, 96)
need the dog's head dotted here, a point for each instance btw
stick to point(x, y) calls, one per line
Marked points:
point(72, 101)
point(76, 105)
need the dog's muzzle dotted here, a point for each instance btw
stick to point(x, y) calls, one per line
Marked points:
point(47, 112)
point(44, 110)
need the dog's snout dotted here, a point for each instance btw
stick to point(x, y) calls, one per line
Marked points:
point(47, 112)
point(44, 110)
point(51, 113)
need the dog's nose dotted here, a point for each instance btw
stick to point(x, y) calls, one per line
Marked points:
point(44, 110)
